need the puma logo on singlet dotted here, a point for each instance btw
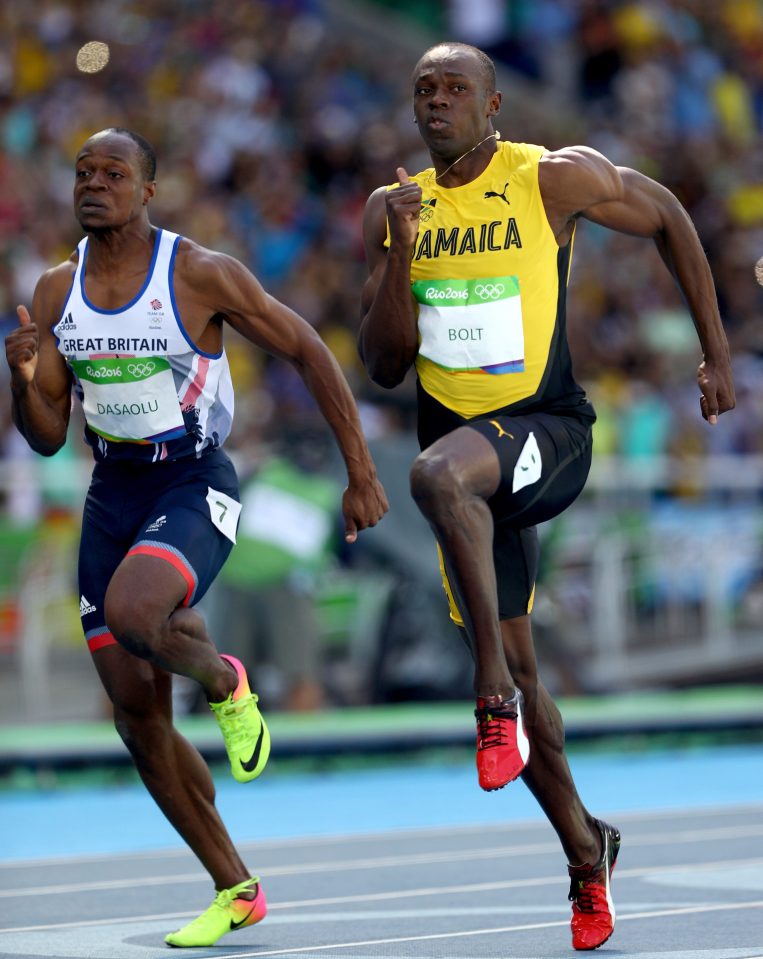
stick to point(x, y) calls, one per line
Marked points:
point(501, 196)
point(501, 430)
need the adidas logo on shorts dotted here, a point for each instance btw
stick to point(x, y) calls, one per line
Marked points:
point(85, 607)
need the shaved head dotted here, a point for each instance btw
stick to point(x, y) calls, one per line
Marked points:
point(485, 65)
point(146, 153)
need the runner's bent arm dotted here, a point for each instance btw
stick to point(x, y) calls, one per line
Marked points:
point(388, 339)
point(40, 380)
point(580, 182)
point(228, 288)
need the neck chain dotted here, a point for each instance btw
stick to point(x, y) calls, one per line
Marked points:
point(491, 136)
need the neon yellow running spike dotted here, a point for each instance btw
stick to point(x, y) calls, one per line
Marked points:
point(226, 914)
point(246, 736)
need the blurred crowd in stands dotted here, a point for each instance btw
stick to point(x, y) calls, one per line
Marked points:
point(273, 121)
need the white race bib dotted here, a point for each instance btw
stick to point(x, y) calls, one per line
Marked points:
point(130, 398)
point(471, 324)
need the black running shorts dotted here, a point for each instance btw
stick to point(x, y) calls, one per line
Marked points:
point(183, 511)
point(545, 459)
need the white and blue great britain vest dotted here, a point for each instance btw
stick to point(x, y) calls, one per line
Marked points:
point(147, 391)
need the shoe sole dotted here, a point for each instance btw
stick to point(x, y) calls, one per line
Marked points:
point(262, 909)
point(592, 948)
point(495, 789)
point(616, 843)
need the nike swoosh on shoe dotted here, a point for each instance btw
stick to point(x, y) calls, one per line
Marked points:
point(247, 917)
point(251, 763)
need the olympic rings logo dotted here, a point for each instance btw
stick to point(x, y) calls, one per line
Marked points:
point(141, 369)
point(489, 291)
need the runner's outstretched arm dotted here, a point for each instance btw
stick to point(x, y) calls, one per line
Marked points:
point(578, 181)
point(231, 290)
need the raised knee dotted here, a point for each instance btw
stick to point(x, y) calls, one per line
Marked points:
point(434, 481)
point(130, 623)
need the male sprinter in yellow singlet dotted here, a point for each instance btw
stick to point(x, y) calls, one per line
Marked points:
point(133, 323)
point(469, 262)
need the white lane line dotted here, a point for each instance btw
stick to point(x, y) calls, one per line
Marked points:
point(348, 915)
point(340, 865)
point(720, 833)
point(257, 953)
point(403, 833)
point(526, 927)
point(422, 891)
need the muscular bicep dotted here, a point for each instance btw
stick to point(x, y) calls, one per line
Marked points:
point(230, 290)
point(642, 209)
point(53, 377)
point(374, 237)
point(573, 180)
point(273, 327)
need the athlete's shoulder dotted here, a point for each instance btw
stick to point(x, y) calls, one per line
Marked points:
point(583, 170)
point(59, 278)
point(375, 215)
point(533, 149)
point(192, 260)
point(53, 290)
point(580, 156)
point(211, 277)
point(519, 154)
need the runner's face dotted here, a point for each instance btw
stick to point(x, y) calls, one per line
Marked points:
point(109, 189)
point(449, 102)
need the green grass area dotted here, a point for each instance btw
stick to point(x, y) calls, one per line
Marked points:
point(73, 755)
point(43, 777)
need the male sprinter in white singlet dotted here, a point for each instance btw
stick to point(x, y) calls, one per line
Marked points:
point(469, 262)
point(133, 322)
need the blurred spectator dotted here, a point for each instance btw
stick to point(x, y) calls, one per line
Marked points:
point(276, 124)
point(288, 540)
point(275, 119)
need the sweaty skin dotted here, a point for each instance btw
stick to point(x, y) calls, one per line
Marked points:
point(156, 635)
point(453, 112)
point(451, 481)
point(211, 288)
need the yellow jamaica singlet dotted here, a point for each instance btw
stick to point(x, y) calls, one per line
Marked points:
point(490, 282)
